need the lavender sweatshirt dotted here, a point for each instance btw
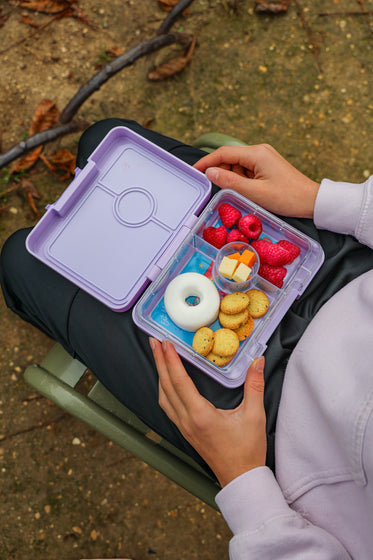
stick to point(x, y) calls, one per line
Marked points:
point(320, 506)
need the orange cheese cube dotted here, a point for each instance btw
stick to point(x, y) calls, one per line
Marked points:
point(235, 256)
point(247, 258)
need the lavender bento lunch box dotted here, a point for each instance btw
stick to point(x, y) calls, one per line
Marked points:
point(133, 219)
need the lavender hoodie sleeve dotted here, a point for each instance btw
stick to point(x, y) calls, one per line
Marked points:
point(346, 208)
point(265, 527)
point(263, 524)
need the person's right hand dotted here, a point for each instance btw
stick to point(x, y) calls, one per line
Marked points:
point(263, 176)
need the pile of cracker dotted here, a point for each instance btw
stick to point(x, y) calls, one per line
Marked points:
point(237, 313)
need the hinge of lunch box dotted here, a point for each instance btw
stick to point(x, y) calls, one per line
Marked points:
point(174, 245)
point(74, 190)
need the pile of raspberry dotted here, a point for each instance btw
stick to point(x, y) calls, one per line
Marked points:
point(248, 228)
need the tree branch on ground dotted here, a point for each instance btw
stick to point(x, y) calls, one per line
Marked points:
point(161, 39)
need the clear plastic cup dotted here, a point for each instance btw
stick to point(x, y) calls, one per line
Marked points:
point(225, 284)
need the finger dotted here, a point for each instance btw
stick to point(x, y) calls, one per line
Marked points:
point(231, 180)
point(177, 386)
point(165, 381)
point(166, 405)
point(182, 384)
point(193, 404)
point(232, 155)
point(253, 400)
point(257, 190)
point(239, 170)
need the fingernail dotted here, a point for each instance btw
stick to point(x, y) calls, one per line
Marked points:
point(164, 345)
point(259, 364)
point(212, 174)
point(152, 343)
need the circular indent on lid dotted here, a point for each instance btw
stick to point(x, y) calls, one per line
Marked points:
point(134, 206)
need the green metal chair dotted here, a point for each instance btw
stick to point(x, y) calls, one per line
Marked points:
point(58, 375)
point(213, 140)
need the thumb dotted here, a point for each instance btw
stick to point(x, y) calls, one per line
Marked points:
point(254, 385)
point(227, 179)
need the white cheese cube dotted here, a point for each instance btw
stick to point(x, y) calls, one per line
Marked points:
point(227, 267)
point(242, 273)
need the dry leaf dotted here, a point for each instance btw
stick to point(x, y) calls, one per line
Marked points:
point(26, 19)
point(3, 17)
point(48, 6)
point(31, 194)
point(46, 115)
point(64, 160)
point(109, 54)
point(148, 122)
point(113, 52)
point(65, 7)
point(47, 163)
point(167, 5)
point(173, 66)
point(272, 7)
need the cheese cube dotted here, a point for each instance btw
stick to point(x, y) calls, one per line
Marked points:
point(248, 258)
point(227, 267)
point(235, 256)
point(242, 273)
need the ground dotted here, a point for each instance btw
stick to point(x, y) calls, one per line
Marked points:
point(302, 81)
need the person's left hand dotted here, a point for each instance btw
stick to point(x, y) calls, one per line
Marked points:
point(230, 441)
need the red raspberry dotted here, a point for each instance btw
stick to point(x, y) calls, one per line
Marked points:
point(235, 235)
point(229, 215)
point(271, 253)
point(250, 225)
point(274, 274)
point(215, 236)
point(292, 249)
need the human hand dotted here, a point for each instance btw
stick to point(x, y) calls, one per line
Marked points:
point(262, 175)
point(230, 441)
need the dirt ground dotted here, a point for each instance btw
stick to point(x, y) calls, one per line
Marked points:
point(302, 81)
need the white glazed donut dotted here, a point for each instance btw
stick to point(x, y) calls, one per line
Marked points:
point(192, 317)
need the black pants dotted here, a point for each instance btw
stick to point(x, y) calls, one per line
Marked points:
point(118, 353)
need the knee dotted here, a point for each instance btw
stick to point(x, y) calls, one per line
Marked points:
point(14, 254)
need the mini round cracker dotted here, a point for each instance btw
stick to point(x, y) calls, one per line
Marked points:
point(203, 341)
point(233, 321)
point(234, 303)
point(219, 360)
point(259, 303)
point(245, 330)
point(226, 342)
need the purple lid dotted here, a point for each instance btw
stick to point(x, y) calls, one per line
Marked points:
point(116, 225)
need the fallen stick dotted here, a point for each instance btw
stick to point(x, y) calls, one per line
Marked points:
point(37, 140)
point(172, 16)
point(161, 39)
point(115, 66)
point(352, 13)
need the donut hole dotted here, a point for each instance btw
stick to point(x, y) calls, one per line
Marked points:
point(192, 301)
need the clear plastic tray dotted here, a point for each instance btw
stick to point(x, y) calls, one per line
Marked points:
point(196, 255)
